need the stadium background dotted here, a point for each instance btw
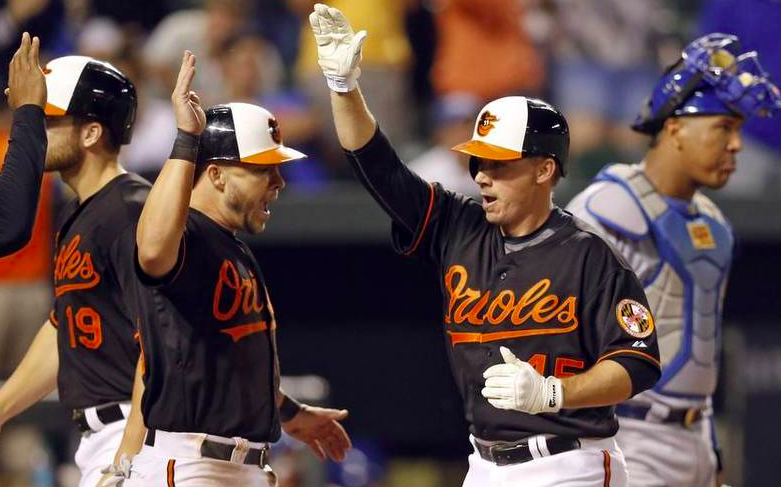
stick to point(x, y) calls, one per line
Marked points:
point(359, 326)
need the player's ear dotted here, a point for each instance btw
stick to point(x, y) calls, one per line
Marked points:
point(672, 128)
point(546, 170)
point(90, 133)
point(216, 175)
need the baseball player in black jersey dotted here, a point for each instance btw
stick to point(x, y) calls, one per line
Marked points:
point(212, 401)
point(547, 328)
point(22, 171)
point(89, 344)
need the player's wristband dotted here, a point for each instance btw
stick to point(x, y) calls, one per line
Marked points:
point(555, 395)
point(288, 409)
point(185, 146)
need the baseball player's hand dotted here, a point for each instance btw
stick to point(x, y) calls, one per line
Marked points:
point(26, 83)
point(190, 116)
point(319, 428)
point(516, 385)
point(338, 47)
point(115, 475)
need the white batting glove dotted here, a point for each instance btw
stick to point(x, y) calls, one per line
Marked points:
point(120, 472)
point(516, 385)
point(338, 47)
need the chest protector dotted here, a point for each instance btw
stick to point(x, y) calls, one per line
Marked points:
point(694, 243)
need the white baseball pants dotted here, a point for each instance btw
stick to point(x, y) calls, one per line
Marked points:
point(597, 463)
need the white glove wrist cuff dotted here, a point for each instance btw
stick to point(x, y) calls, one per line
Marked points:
point(342, 84)
point(554, 395)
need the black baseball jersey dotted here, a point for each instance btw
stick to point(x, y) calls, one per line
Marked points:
point(94, 278)
point(208, 340)
point(559, 298)
point(20, 177)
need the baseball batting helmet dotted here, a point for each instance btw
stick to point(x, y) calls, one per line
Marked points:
point(514, 127)
point(712, 77)
point(245, 133)
point(86, 87)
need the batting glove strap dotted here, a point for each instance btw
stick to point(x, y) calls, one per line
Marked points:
point(553, 394)
point(342, 84)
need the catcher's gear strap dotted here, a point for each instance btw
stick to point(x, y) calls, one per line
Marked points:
point(627, 202)
point(632, 179)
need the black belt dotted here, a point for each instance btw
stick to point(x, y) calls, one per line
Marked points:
point(221, 451)
point(683, 417)
point(106, 414)
point(512, 453)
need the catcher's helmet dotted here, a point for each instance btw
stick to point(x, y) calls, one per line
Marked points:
point(712, 77)
point(245, 133)
point(514, 127)
point(86, 87)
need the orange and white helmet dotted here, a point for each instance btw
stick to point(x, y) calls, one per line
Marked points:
point(245, 133)
point(514, 127)
point(85, 87)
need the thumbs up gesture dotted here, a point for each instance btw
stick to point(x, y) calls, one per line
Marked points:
point(516, 385)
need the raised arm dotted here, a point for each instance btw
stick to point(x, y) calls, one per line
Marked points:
point(34, 378)
point(404, 196)
point(163, 218)
point(22, 171)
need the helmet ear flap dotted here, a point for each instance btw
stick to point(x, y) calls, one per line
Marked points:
point(474, 166)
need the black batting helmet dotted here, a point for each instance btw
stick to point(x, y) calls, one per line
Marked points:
point(86, 87)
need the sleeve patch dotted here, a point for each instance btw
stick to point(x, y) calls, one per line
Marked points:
point(634, 318)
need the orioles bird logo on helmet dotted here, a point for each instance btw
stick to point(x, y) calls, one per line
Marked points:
point(486, 123)
point(273, 128)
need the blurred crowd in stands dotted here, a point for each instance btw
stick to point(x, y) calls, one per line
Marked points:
point(428, 67)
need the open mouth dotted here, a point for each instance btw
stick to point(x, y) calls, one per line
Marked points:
point(488, 199)
point(264, 208)
point(265, 205)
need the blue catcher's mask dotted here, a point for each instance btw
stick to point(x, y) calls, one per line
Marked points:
point(713, 77)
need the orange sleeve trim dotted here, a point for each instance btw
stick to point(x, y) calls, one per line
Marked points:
point(170, 471)
point(425, 222)
point(650, 358)
point(141, 357)
point(53, 319)
point(606, 456)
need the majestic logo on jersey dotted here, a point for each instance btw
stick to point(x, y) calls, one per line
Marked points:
point(634, 318)
point(486, 123)
point(701, 236)
point(233, 295)
point(73, 269)
point(475, 307)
